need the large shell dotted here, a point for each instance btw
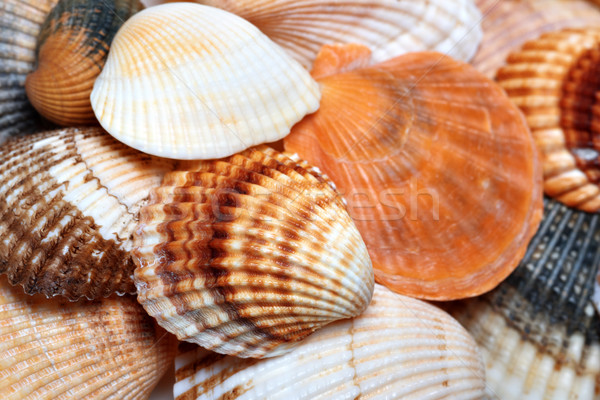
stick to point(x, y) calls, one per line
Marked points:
point(71, 51)
point(388, 27)
point(247, 255)
point(20, 23)
point(538, 331)
point(507, 24)
point(205, 85)
point(400, 348)
point(69, 205)
point(553, 80)
point(53, 349)
point(438, 167)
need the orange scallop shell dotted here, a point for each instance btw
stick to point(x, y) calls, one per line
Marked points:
point(438, 167)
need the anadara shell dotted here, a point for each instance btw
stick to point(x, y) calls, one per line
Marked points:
point(250, 254)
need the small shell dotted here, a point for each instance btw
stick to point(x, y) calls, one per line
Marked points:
point(507, 24)
point(388, 27)
point(205, 85)
point(400, 348)
point(424, 150)
point(20, 23)
point(53, 349)
point(69, 205)
point(538, 331)
point(71, 51)
point(553, 80)
point(247, 255)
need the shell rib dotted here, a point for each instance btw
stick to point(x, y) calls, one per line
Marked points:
point(20, 23)
point(206, 85)
point(71, 51)
point(538, 331)
point(69, 204)
point(388, 27)
point(400, 348)
point(247, 255)
point(507, 24)
point(53, 349)
point(423, 149)
point(553, 79)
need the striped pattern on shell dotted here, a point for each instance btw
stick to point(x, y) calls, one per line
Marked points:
point(399, 348)
point(249, 254)
point(69, 204)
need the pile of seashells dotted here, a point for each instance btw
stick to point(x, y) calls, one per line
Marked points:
point(267, 196)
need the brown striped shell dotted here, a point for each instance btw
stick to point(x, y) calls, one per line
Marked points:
point(554, 80)
point(249, 254)
point(69, 201)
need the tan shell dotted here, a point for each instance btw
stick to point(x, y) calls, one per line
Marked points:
point(53, 349)
point(553, 80)
point(247, 255)
point(69, 202)
point(400, 348)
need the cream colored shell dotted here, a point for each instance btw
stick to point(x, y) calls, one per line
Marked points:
point(187, 81)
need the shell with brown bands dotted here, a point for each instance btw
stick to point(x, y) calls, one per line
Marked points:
point(71, 50)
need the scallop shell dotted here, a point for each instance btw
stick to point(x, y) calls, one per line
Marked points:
point(69, 204)
point(71, 51)
point(553, 80)
point(400, 348)
point(507, 24)
point(53, 349)
point(197, 88)
point(247, 255)
point(538, 331)
point(20, 23)
point(388, 27)
point(438, 167)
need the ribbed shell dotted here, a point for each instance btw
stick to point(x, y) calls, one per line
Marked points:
point(507, 24)
point(554, 80)
point(53, 349)
point(71, 50)
point(207, 84)
point(400, 348)
point(69, 204)
point(388, 27)
point(20, 23)
point(538, 331)
point(438, 167)
point(247, 255)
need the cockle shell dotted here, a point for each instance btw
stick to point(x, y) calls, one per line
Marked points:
point(400, 348)
point(554, 79)
point(438, 167)
point(205, 85)
point(53, 349)
point(538, 331)
point(71, 51)
point(507, 24)
point(388, 27)
point(247, 255)
point(69, 204)
point(20, 23)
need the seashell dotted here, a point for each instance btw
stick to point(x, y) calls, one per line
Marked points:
point(69, 204)
point(53, 349)
point(206, 89)
point(20, 23)
point(71, 51)
point(538, 331)
point(508, 24)
point(388, 27)
point(423, 149)
point(553, 80)
point(247, 255)
point(400, 348)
